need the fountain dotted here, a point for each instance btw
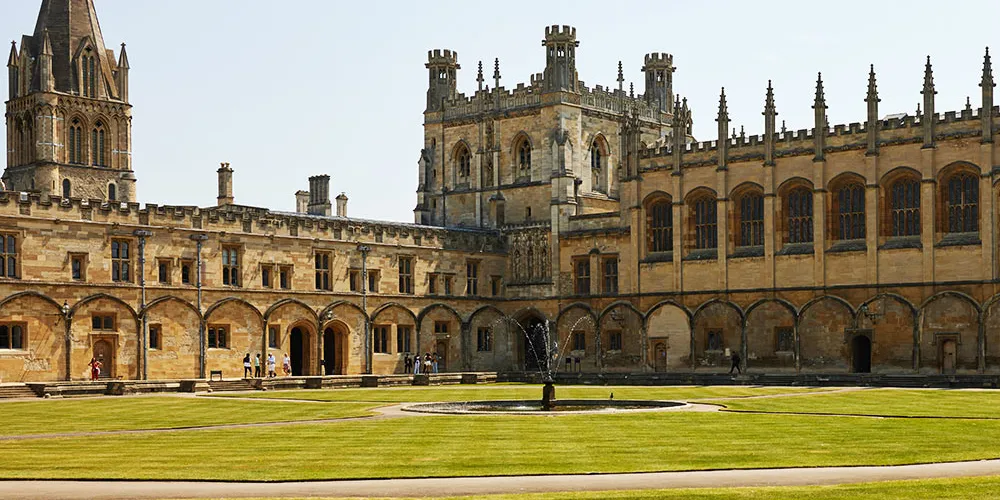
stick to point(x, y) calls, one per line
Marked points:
point(545, 358)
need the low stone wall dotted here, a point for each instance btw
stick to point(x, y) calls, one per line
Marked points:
point(812, 380)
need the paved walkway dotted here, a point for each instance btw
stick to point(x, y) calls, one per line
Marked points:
point(494, 485)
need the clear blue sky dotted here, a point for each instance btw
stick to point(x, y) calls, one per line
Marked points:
point(284, 90)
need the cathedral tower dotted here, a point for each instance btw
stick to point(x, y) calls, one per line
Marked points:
point(68, 118)
point(560, 59)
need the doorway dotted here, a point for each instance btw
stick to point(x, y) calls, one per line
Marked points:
point(948, 356)
point(861, 354)
point(532, 343)
point(441, 348)
point(660, 353)
point(297, 352)
point(333, 352)
point(104, 351)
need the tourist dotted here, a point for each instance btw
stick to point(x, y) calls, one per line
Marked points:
point(407, 363)
point(271, 370)
point(736, 364)
point(95, 369)
point(256, 366)
point(246, 366)
point(416, 364)
point(427, 363)
point(286, 365)
point(434, 362)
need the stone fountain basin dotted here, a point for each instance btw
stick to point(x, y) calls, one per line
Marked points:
point(534, 407)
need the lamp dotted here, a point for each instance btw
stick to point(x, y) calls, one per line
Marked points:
point(874, 315)
point(65, 309)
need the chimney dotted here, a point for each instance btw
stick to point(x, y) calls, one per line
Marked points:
point(225, 185)
point(342, 205)
point(301, 201)
point(319, 195)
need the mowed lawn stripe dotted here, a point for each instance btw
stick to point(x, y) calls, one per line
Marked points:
point(882, 402)
point(490, 445)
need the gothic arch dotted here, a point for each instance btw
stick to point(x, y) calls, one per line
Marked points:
point(782, 302)
point(526, 312)
point(112, 298)
point(168, 298)
point(578, 305)
point(665, 303)
point(284, 302)
point(710, 302)
point(213, 307)
point(516, 141)
point(794, 182)
point(339, 303)
point(621, 303)
point(389, 305)
point(813, 301)
point(894, 172)
point(745, 187)
point(483, 309)
point(425, 311)
point(31, 293)
point(951, 293)
point(914, 312)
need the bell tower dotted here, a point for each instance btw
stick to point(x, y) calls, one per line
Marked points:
point(68, 118)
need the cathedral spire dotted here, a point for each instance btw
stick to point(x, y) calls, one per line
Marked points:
point(121, 76)
point(929, 116)
point(479, 75)
point(820, 125)
point(873, 122)
point(496, 73)
point(621, 77)
point(46, 81)
point(769, 117)
point(723, 142)
point(986, 113)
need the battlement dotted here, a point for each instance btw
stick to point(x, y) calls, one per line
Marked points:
point(556, 33)
point(442, 57)
point(658, 60)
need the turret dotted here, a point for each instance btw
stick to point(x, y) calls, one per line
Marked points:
point(560, 59)
point(12, 71)
point(819, 107)
point(342, 205)
point(873, 121)
point(928, 92)
point(442, 69)
point(986, 113)
point(659, 70)
point(723, 120)
point(46, 80)
point(225, 184)
point(121, 76)
point(770, 113)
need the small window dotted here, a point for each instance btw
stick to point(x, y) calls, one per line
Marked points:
point(484, 339)
point(472, 278)
point(154, 336)
point(66, 188)
point(103, 322)
point(121, 261)
point(614, 341)
point(432, 280)
point(582, 278)
point(447, 285)
point(231, 265)
point(527, 213)
point(187, 267)
point(381, 339)
point(495, 284)
point(610, 268)
point(285, 277)
point(163, 271)
point(354, 277)
point(404, 335)
point(112, 192)
point(272, 337)
point(406, 275)
point(373, 280)
point(78, 267)
point(218, 337)
point(579, 341)
point(266, 280)
point(784, 340)
point(322, 270)
point(714, 340)
point(12, 336)
point(440, 327)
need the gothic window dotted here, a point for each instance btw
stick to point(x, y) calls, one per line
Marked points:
point(463, 160)
point(75, 142)
point(851, 212)
point(582, 276)
point(112, 192)
point(705, 224)
point(905, 207)
point(660, 226)
point(19, 131)
point(610, 268)
point(597, 167)
point(963, 203)
point(8, 256)
point(800, 216)
point(121, 261)
point(406, 275)
point(97, 145)
point(323, 271)
point(231, 265)
point(522, 152)
point(88, 71)
point(784, 339)
point(65, 188)
point(751, 208)
point(713, 341)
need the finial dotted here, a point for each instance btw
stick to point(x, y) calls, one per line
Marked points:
point(723, 107)
point(631, 89)
point(872, 86)
point(987, 71)
point(918, 109)
point(734, 133)
point(820, 97)
point(621, 76)
point(782, 126)
point(743, 134)
point(496, 72)
point(928, 78)
point(769, 100)
point(479, 75)
point(968, 104)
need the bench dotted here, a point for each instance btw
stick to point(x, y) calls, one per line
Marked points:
point(213, 373)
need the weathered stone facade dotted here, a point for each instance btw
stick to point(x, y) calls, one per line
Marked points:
point(594, 212)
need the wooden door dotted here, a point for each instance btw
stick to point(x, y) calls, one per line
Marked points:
point(949, 356)
point(442, 351)
point(104, 351)
point(661, 357)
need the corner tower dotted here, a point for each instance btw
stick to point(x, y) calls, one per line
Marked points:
point(659, 70)
point(68, 118)
point(560, 59)
point(442, 68)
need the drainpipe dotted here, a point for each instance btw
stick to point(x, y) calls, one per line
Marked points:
point(199, 239)
point(364, 249)
point(144, 334)
point(66, 312)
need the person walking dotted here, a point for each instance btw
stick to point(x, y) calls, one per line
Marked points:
point(434, 362)
point(286, 365)
point(271, 368)
point(407, 363)
point(427, 362)
point(736, 364)
point(256, 366)
point(416, 364)
point(246, 366)
point(95, 369)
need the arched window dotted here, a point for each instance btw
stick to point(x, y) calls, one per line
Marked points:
point(800, 216)
point(112, 192)
point(65, 188)
point(19, 145)
point(751, 213)
point(660, 226)
point(88, 73)
point(97, 145)
point(597, 168)
point(463, 159)
point(523, 157)
point(963, 203)
point(851, 212)
point(905, 206)
point(75, 142)
point(705, 224)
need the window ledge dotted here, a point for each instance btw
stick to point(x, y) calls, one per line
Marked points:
point(752, 251)
point(797, 249)
point(848, 246)
point(960, 239)
point(659, 257)
point(14, 352)
point(706, 254)
point(902, 242)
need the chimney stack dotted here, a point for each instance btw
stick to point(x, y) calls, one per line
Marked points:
point(319, 195)
point(301, 201)
point(225, 185)
point(342, 205)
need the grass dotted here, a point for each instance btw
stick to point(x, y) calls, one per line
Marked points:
point(488, 445)
point(882, 402)
point(112, 414)
point(466, 393)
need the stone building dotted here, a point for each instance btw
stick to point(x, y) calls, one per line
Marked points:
point(592, 212)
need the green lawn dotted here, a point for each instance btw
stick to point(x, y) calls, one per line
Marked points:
point(110, 414)
point(500, 392)
point(491, 445)
point(883, 402)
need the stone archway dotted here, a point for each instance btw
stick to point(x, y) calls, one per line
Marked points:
point(300, 351)
point(335, 340)
point(861, 354)
point(531, 346)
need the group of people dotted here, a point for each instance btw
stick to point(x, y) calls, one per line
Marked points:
point(429, 364)
point(270, 362)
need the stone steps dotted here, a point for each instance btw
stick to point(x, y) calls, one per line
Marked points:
point(10, 391)
point(231, 385)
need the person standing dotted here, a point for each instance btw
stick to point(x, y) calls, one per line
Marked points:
point(95, 369)
point(271, 368)
point(427, 363)
point(736, 364)
point(416, 364)
point(434, 362)
point(407, 363)
point(256, 366)
point(286, 365)
point(246, 366)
